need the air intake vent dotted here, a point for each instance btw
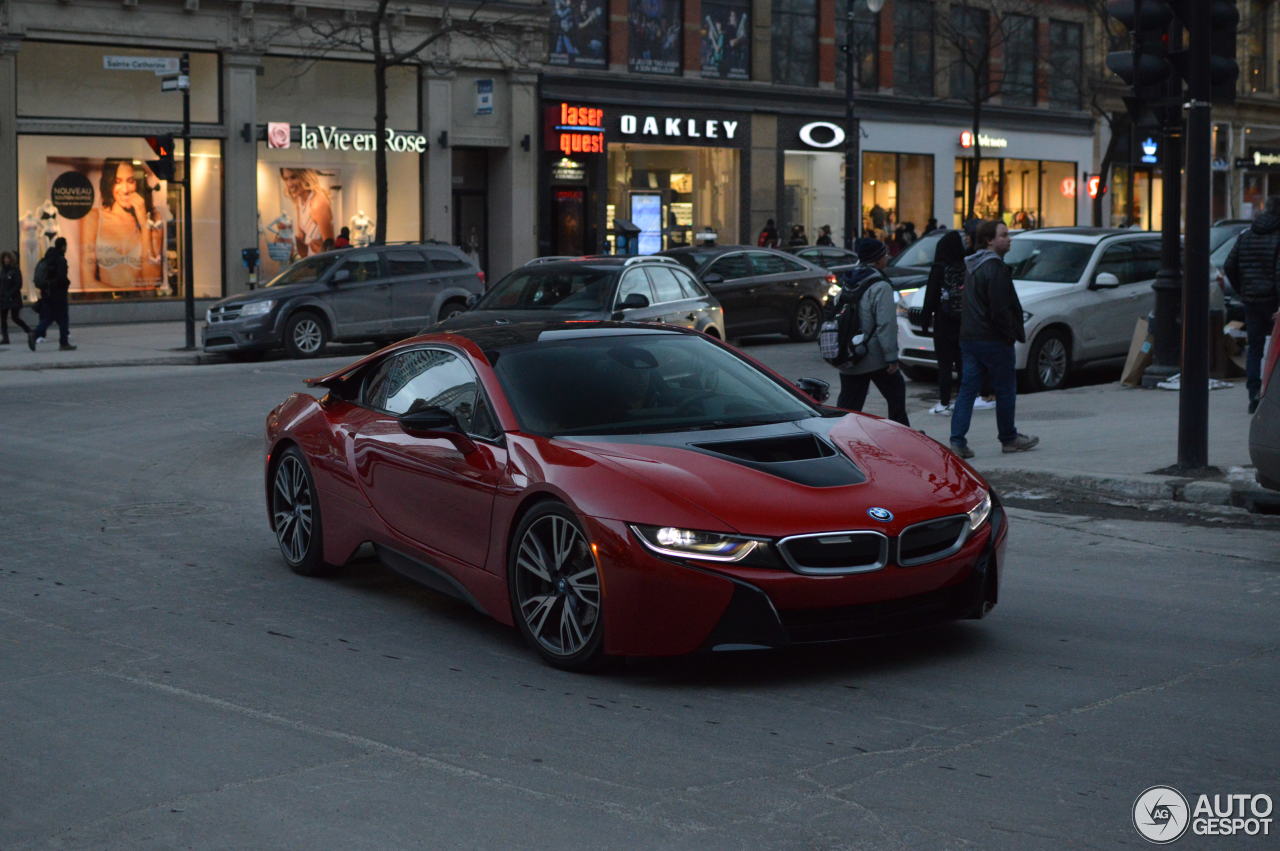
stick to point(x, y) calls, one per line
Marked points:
point(773, 450)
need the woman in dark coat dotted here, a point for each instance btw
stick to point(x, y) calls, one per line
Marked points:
point(10, 296)
point(942, 299)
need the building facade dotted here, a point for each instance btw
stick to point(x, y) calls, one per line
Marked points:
point(282, 102)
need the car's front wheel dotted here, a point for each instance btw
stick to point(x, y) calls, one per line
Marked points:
point(805, 321)
point(295, 515)
point(1048, 361)
point(305, 335)
point(554, 585)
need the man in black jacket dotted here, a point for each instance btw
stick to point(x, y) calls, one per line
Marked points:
point(1253, 268)
point(990, 323)
point(54, 289)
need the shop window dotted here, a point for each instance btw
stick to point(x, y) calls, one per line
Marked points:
point(913, 47)
point(1019, 87)
point(1059, 194)
point(655, 36)
point(1066, 57)
point(69, 81)
point(123, 225)
point(795, 42)
point(865, 44)
point(670, 191)
point(726, 39)
point(1255, 30)
point(579, 33)
point(1024, 194)
point(814, 191)
point(896, 189)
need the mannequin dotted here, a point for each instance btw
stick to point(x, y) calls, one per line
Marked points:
point(49, 229)
point(361, 229)
point(280, 246)
point(29, 227)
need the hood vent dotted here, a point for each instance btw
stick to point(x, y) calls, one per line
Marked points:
point(772, 450)
point(804, 459)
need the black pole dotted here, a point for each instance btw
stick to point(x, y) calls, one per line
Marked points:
point(852, 203)
point(184, 71)
point(1168, 283)
point(1193, 396)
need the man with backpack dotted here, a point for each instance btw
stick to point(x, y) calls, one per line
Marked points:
point(868, 328)
point(53, 282)
point(1253, 268)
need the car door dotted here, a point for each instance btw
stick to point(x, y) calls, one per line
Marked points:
point(636, 281)
point(778, 286)
point(414, 290)
point(455, 276)
point(729, 277)
point(427, 490)
point(1108, 314)
point(677, 307)
point(359, 296)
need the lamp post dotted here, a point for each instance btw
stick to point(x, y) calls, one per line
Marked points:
point(852, 141)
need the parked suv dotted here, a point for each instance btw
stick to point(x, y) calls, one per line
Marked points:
point(382, 292)
point(1082, 290)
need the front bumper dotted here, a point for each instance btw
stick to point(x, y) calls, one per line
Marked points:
point(239, 335)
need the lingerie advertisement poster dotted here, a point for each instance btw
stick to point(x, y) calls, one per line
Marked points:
point(300, 214)
point(578, 32)
point(726, 39)
point(115, 216)
point(655, 36)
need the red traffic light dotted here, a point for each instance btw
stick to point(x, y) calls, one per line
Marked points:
point(162, 145)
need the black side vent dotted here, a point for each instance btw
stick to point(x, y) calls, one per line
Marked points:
point(772, 450)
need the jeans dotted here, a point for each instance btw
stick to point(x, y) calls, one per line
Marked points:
point(55, 310)
point(985, 358)
point(853, 392)
point(1257, 325)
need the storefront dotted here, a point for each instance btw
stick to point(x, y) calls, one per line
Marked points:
point(812, 193)
point(1260, 169)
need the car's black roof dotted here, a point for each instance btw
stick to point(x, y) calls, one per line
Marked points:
point(499, 335)
point(1082, 231)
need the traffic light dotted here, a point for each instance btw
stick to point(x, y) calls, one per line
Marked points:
point(1224, 20)
point(1146, 65)
point(163, 147)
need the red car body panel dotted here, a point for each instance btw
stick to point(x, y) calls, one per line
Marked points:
point(430, 501)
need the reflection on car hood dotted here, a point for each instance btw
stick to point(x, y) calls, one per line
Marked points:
point(901, 470)
point(480, 318)
point(1030, 292)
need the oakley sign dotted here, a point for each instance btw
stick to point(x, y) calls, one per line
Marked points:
point(822, 134)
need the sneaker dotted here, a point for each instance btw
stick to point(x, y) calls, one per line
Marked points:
point(1021, 443)
point(981, 404)
point(31, 340)
point(962, 450)
point(941, 410)
point(67, 347)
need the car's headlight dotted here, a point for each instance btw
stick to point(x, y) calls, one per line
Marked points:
point(257, 308)
point(980, 512)
point(689, 543)
point(901, 298)
point(1026, 317)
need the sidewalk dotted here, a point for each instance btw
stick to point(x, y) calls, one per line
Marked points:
point(1102, 440)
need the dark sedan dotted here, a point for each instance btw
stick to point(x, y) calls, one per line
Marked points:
point(830, 257)
point(763, 291)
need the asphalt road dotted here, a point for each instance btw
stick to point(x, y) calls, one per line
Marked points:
point(166, 682)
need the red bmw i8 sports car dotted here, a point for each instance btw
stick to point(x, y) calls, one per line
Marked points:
point(616, 489)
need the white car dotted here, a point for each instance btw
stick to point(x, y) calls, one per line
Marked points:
point(1082, 290)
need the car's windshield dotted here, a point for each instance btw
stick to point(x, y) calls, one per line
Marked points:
point(918, 253)
point(534, 288)
point(1222, 252)
point(639, 383)
point(1048, 260)
point(1221, 235)
point(303, 272)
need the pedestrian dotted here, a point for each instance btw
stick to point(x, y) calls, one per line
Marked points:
point(931, 226)
point(990, 324)
point(798, 236)
point(943, 296)
point(344, 239)
point(10, 296)
point(53, 285)
point(909, 232)
point(824, 236)
point(768, 235)
point(1253, 268)
point(877, 316)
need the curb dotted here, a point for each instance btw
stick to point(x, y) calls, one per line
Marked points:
point(1146, 488)
point(172, 360)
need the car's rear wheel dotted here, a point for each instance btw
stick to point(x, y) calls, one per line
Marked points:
point(305, 335)
point(1048, 361)
point(554, 585)
point(295, 515)
point(451, 308)
point(805, 321)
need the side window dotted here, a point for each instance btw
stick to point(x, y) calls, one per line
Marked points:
point(445, 261)
point(666, 287)
point(837, 257)
point(405, 261)
point(363, 266)
point(772, 264)
point(1118, 260)
point(634, 281)
point(732, 266)
point(1146, 260)
point(688, 284)
point(427, 378)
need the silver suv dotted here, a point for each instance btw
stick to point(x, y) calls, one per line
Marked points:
point(381, 292)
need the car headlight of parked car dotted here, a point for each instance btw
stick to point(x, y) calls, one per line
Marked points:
point(257, 308)
point(901, 298)
point(980, 512)
point(1026, 317)
point(694, 545)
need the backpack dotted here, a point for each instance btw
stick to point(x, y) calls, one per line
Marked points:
point(841, 339)
point(39, 276)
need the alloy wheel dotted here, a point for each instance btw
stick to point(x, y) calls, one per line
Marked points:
point(1051, 364)
point(307, 335)
point(557, 586)
point(291, 509)
point(807, 319)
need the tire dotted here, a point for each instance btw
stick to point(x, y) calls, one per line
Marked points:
point(1048, 361)
point(553, 583)
point(451, 308)
point(923, 374)
point(805, 321)
point(305, 335)
point(295, 515)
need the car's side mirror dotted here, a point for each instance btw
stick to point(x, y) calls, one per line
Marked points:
point(713, 278)
point(1105, 281)
point(634, 301)
point(341, 276)
point(817, 389)
point(433, 423)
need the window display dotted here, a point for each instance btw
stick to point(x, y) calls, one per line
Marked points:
point(676, 190)
point(896, 189)
point(1024, 194)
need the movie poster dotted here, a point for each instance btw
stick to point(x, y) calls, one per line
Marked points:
point(726, 39)
point(300, 214)
point(578, 32)
point(115, 216)
point(655, 36)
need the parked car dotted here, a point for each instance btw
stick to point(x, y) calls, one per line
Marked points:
point(379, 293)
point(763, 290)
point(1222, 239)
point(638, 289)
point(1082, 290)
point(620, 489)
point(830, 257)
point(1264, 427)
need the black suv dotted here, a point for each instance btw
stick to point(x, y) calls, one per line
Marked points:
point(763, 291)
point(637, 289)
point(381, 292)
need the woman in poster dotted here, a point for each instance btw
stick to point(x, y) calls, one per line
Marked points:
point(116, 236)
point(314, 210)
